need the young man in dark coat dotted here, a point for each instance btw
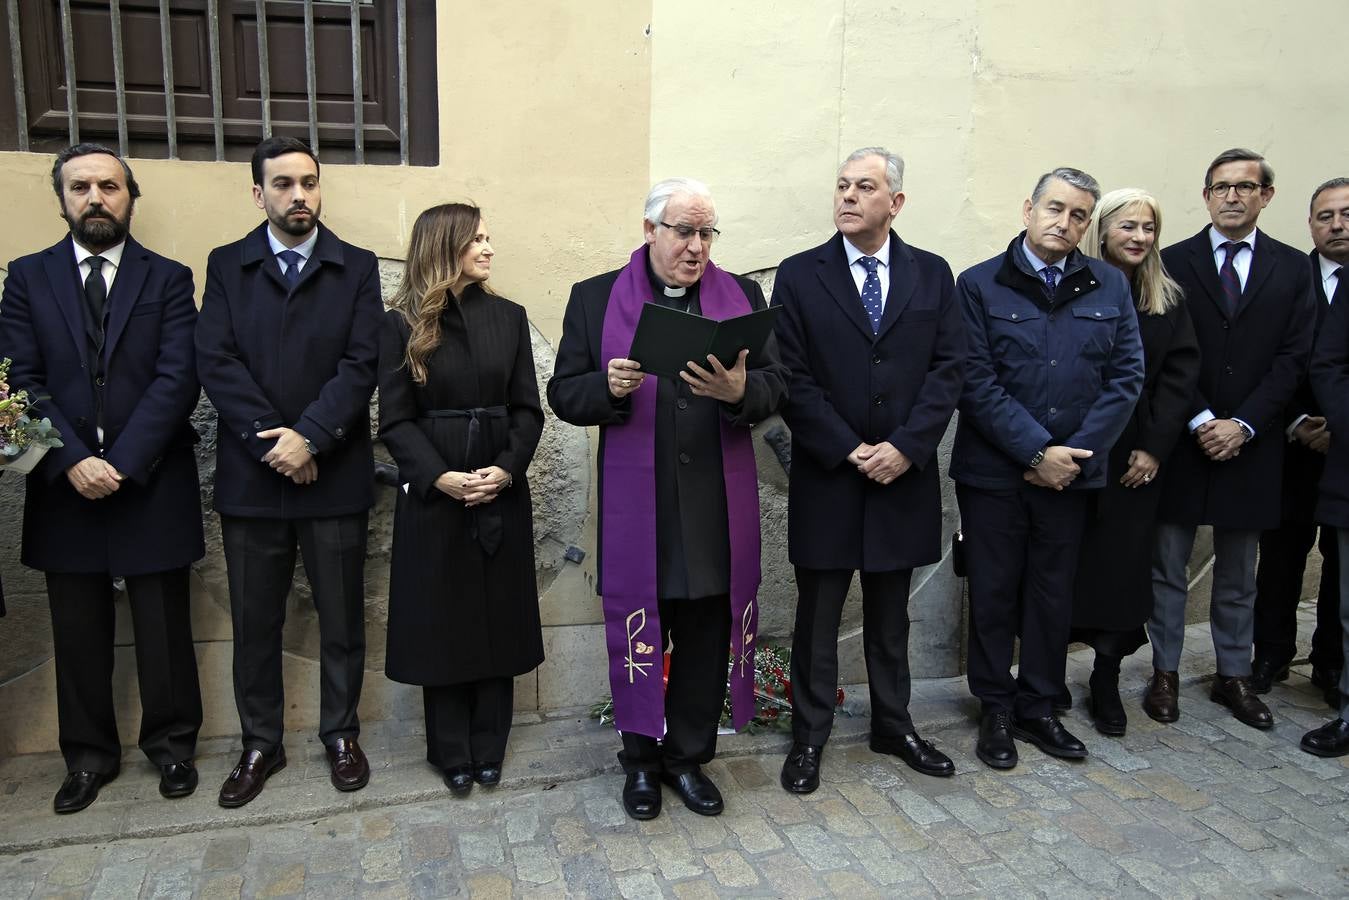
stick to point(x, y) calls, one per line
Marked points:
point(100, 330)
point(287, 347)
point(678, 496)
point(1283, 550)
point(1054, 367)
point(873, 336)
point(1330, 380)
point(1250, 299)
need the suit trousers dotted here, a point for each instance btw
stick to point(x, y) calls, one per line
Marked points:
point(260, 559)
point(698, 632)
point(885, 640)
point(469, 722)
point(1021, 549)
point(1231, 608)
point(1342, 540)
point(1278, 589)
point(83, 626)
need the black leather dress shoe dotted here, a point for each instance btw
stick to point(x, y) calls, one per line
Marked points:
point(1331, 739)
point(1107, 709)
point(1328, 680)
point(996, 747)
point(487, 774)
point(79, 790)
point(1263, 675)
point(1048, 733)
point(1235, 693)
point(917, 753)
point(641, 795)
point(697, 791)
point(177, 779)
point(249, 776)
point(801, 769)
point(459, 779)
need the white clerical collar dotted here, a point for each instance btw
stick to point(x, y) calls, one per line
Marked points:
point(675, 292)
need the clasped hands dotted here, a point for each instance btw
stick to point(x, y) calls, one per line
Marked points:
point(1058, 468)
point(289, 456)
point(1220, 439)
point(1312, 433)
point(716, 381)
point(882, 462)
point(477, 487)
point(94, 478)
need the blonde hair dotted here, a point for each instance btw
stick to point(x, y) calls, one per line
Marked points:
point(436, 248)
point(1154, 287)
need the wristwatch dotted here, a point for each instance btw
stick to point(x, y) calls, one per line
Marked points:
point(1246, 431)
point(1038, 458)
point(310, 446)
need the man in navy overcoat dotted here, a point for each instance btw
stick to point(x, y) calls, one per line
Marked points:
point(287, 345)
point(872, 333)
point(100, 329)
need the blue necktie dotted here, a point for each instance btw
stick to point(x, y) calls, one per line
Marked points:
point(871, 291)
point(1231, 281)
point(292, 270)
point(1051, 277)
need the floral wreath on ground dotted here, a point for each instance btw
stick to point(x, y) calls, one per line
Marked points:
point(772, 693)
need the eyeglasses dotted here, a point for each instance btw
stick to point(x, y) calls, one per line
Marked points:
point(1243, 188)
point(686, 232)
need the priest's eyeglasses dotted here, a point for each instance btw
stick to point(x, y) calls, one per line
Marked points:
point(686, 232)
point(1243, 188)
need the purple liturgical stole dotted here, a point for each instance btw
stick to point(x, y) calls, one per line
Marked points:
point(628, 568)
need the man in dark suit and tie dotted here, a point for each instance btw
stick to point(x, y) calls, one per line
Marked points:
point(1251, 301)
point(1283, 550)
point(1054, 367)
point(287, 345)
point(100, 329)
point(872, 333)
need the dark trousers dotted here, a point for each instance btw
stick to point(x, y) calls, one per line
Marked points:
point(260, 558)
point(83, 628)
point(1278, 585)
point(700, 632)
point(468, 723)
point(885, 640)
point(1021, 548)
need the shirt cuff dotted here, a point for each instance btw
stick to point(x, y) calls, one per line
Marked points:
point(1250, 432)
point(1205, 416)
point(1292, 428)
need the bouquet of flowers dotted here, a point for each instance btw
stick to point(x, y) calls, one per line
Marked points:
point(23, 439)
point(772, 693)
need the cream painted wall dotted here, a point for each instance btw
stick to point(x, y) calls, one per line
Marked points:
point(544, 123)
point(980, 100)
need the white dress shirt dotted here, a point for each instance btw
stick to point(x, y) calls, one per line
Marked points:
point(305, 250)
point(1330, 277)
point(112, 260)
point(859, 271)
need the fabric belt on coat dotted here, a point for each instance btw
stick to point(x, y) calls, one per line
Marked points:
point(485, 522)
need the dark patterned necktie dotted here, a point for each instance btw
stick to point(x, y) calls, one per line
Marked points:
point(1051, 277)
point(292, 270)
point(871, 291)
point(1231, 281)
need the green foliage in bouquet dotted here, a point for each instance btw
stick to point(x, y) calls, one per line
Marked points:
point(18, 430)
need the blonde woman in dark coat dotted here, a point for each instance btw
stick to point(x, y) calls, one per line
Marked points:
point(460, 414)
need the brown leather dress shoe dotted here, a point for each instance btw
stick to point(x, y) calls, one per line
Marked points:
point(249, 776)
point(1161, 700)
point(348, 767)
point(1235, 693)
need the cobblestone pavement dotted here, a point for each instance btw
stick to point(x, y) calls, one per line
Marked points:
point(1204, 807)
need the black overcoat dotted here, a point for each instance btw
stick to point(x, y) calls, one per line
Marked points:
point(306, 359)
point(1114, 571)
point(1252, 362)
point(850, 386)
point(691, 524)
point(458, 612)
point(152, 523)
point(1329, 378)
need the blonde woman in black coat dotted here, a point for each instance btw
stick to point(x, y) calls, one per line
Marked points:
point(460, 414)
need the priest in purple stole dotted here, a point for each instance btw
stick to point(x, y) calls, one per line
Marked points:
point(678, 498)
